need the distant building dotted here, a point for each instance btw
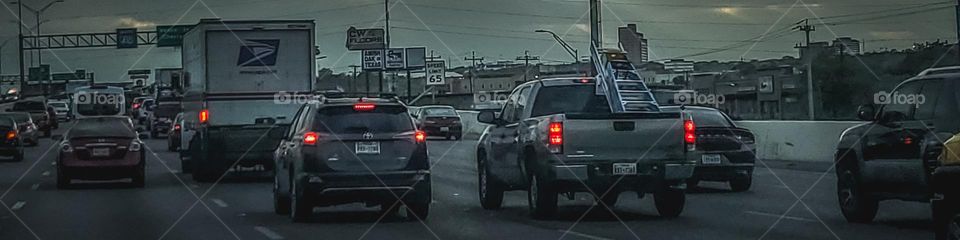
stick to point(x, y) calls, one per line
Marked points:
point(634, 43)
point(848, 44)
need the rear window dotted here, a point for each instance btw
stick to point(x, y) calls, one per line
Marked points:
point(29, 106)
point(345, 120)
point(102, 127)
point(167, 110)
point(20, 118)
point(439, 112)
point(569, 99)
point(705, 118)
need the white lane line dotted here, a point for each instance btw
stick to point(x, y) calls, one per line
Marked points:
point(587, 236)
point(19, 205)
point(45, 173)
point(35, 186)
point(219, 202)
point(778, 216)
point(267, 232)
point(53, 163)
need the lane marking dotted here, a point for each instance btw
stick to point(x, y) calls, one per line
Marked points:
point(587, 236)
point(53, 163)
point(268, 233)
point(219, 202)
point(45, 173)
point(19, 205)
point(35, 186)
point(778, 216)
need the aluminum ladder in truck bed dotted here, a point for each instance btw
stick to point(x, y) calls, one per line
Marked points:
point(619, 81)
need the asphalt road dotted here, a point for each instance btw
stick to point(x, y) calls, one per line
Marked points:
point(173, 206)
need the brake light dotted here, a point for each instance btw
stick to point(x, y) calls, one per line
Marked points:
point(136, 105)
point(364, 107)
point(204, 116)
point(555, 137)
point(310, 138)
point(420, 136)
point(176, 127)
point(689, 132)
point(11, 135)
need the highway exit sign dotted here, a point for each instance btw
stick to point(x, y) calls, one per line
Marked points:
point(171, 35)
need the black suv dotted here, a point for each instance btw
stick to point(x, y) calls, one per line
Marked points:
point(347, 150)
point(893, 155)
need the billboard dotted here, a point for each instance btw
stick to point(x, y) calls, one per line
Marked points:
point(365, 39)
point(372, 59)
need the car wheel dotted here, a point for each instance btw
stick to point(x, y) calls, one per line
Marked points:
point(139, 178)
point(670, 202)
point(541, 198)
point(856, 205)
point(608, 200)
point(418, 207)
point(63, 180)
point(300, 209)
point(491, 193)
point(281, 201)
point(741, 184)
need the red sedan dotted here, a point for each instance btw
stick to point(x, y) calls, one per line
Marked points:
point(101, 148)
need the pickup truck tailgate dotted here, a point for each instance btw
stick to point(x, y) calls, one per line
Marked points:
point(646, 137)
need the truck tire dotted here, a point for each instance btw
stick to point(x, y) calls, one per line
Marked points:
point(490, 192)
point(741, 184)
point(281, 201)
point(202, 170)
point(670, 202)
point(856, 205)
point(541, 198)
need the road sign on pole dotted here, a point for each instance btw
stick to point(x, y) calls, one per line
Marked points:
point(372, 59)
point(395, 58)
point(436, 73)
point(39, 74)
point(171, 35)
point(416, 57)
point(365, 39)
point(126, 38)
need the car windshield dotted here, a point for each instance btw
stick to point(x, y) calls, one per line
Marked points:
point(102, 127)
point(439, 112)
point(569, 99)
point(167, 110)
point(19, 117)
point(346, 120)
point(29, 107)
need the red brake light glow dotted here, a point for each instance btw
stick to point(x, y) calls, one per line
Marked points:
point(310, 138)
point(204, 116)
point(11, 135)
point(364, 107)
point(420, 136)
point(555, 133)
point(689, 132)
point(176, 127)
point(136, 105)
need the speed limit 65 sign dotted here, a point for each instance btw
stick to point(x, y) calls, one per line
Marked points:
point(436, 72)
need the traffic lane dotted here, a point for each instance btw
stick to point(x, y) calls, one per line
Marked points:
point(110, 209)
point(711, 212)
point(248, 205)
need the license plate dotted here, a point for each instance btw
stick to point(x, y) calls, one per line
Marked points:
point(624, 169)
point(445, 129)
point(100, 152)
point(710, 159)
point(368, 148)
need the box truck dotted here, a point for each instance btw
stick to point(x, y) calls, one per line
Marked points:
point(234, 72)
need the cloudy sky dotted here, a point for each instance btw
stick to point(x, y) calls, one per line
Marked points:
point(497, 29)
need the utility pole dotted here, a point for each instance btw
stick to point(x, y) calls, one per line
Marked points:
point(386, 11)
point(957, 15)
point(351, 84)
point(473, 71)
point(23, 81)
point(807, 28)
point(526, 63)
point(596, 31)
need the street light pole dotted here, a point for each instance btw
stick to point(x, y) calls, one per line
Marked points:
point(36, 40)
point(570, 50)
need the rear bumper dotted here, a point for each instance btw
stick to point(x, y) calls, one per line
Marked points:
point(600, 177)
point(437, 130)
point(106, 169)
point(339, 188)
point(248, 161)
point(733, 165)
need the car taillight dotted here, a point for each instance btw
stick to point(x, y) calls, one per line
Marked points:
point(310, 138)
point(11, 135)
point(420, 136)
point(690, 134)
point(136, 105)
point(364, 107)
point(204, 116)
point(555, 137)
point(176, 127)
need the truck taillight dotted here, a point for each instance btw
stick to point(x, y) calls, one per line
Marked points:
point(204, 116)
point(555, 137)
point(310, 138)
point(176, 127)
point(420, 136)
point(690, 134)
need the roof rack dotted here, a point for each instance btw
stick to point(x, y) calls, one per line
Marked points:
point(359, 95)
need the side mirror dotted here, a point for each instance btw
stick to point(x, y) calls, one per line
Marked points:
point(867, 112)
point(487, 117)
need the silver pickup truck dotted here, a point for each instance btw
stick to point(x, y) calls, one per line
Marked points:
point(557, 136)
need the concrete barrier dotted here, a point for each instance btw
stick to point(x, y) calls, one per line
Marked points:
point(786, 141)
point(797, 141)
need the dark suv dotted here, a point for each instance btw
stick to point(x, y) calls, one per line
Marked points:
point(39, 112)
point(348, 150)
point(893, 155)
